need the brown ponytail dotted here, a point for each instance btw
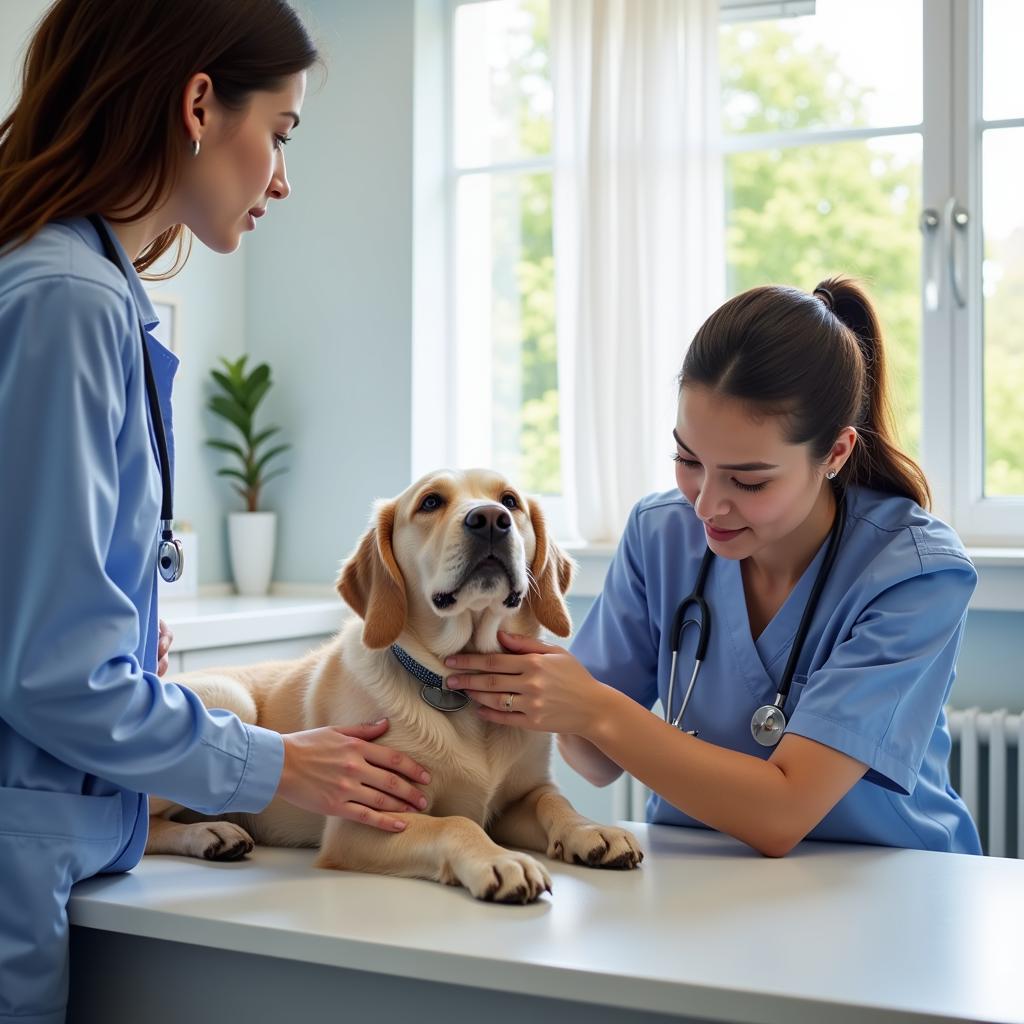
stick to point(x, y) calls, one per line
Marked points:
point(819, 360)
point(97, 128)
point(876, 460)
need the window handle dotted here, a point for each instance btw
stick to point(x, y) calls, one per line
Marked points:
point(957, 220)
point(929, 222)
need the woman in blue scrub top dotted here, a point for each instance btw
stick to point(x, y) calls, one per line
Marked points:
point(155, 116)
point(782, 415)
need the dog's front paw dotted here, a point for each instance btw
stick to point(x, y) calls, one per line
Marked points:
point(505, 877)
point(218, 840)
point(596, 846)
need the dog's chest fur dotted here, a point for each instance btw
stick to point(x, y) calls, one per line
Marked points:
point(477, 768)
point(503, 764)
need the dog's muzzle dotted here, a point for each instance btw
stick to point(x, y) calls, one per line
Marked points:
point(489, 543)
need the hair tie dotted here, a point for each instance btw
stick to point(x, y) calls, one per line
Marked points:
point(827, 296)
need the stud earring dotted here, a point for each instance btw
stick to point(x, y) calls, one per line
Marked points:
point(195, 147)
point(831, 474)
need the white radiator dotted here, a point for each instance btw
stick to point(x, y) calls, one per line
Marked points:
point(984, 744)
point(986, 768)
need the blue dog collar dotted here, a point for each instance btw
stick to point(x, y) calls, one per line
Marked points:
point(433, 691)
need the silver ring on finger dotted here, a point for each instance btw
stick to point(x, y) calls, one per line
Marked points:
point(509, 698)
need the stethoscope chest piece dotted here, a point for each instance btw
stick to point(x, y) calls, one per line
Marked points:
point(170, 559)
point(767, 725)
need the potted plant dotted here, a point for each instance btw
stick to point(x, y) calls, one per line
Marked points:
point(252, 533)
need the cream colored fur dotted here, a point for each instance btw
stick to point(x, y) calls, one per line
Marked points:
point(491, 784)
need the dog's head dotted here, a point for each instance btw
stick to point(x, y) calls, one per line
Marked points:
point(456, 546)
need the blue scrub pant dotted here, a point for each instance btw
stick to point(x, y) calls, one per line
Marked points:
point(48, 841)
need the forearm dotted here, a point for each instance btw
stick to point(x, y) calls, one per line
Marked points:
point(732, 792)
point(583, 757)
point(129, 727)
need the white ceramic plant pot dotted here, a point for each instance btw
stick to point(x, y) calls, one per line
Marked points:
point(251, 537)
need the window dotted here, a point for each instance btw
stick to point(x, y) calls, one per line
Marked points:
point(851, 143)
point(821, 122)
point(504, 290)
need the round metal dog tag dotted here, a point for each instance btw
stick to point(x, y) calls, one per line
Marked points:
point(442, 699)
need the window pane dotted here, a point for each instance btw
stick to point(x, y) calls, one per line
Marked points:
point(505, 299)
point(848, 65)
point(502, 87)
point(795, 216)
point(1003, 286)
point(1004, 32)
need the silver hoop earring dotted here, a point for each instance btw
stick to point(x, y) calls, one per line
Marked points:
point(195, 147)
point(831, 474)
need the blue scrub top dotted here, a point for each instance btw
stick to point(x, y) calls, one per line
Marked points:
point(872, 678)
point(86, 727)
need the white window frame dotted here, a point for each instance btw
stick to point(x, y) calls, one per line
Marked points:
point(995, 521)
point(952, 435)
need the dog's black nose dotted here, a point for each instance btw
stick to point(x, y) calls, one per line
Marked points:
point(488, 521)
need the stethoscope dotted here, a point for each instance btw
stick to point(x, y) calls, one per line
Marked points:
point(170, 556)
point(768, 722)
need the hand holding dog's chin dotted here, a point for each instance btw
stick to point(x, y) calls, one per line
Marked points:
point(554, 692)
point(341, 773)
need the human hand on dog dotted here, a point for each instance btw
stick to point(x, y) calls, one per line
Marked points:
point(535, 686)
point(166, 638)
point(341, 773)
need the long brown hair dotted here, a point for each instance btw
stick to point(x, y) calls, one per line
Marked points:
point(818, 360)
point(96, 128)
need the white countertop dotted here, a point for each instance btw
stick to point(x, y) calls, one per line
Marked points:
point(705, 928)
point(223, 621)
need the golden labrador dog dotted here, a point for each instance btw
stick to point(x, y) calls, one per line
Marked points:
point(443, 567)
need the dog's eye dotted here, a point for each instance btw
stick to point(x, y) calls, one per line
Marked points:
point(431, 503)
point(509, 501)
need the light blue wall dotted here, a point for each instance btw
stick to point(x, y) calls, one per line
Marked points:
point(329, 287)
point(17, 17)
point(211, 322)
point(990, 673)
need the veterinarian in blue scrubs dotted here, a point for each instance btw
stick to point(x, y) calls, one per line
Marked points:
point(789, 475)
point(206, 97)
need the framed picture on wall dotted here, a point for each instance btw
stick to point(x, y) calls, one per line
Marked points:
point(168, 309)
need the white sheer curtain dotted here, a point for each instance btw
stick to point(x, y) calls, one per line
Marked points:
point(639, 227)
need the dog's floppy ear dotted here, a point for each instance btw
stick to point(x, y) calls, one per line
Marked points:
point(552, 572)
point(372, 584)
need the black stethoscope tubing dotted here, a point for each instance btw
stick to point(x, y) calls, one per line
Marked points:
point(679, 623)
point(768, 721)
point(170, 556)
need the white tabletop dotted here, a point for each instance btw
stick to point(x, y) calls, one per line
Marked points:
point(705, 928)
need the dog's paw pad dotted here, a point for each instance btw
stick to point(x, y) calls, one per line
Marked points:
point(221, 841)
point(510, 877)
point(597, 846)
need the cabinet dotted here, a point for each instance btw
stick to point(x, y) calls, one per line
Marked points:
point(249, 654)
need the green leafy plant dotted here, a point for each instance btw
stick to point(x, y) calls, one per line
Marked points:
point(239, 393)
